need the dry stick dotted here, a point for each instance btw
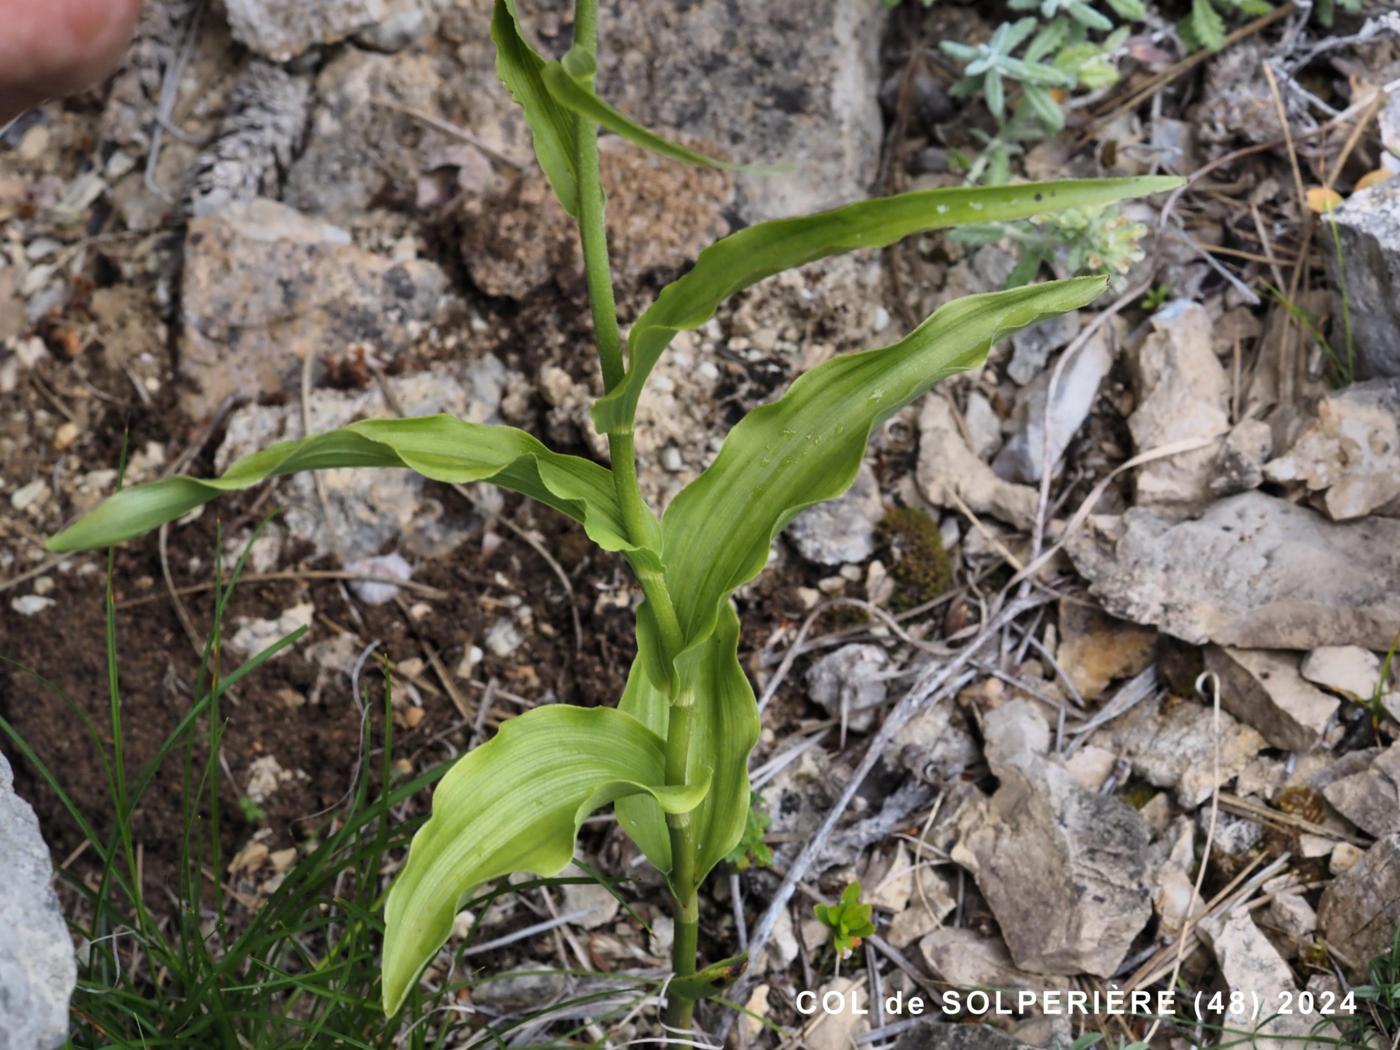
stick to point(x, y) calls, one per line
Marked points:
point(449, 129)
point(1188, 924)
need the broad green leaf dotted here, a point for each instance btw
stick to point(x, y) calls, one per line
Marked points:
point(570, 84)
point(747, 257)
point(438, 447)
point(725, 729)
point(553, 129)
point(515, 804)
point(806, 447)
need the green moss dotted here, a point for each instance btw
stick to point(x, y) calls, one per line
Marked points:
point(918, 563)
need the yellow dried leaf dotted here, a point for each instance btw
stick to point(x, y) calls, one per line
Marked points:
point(1372, 178)
point(1321, 199)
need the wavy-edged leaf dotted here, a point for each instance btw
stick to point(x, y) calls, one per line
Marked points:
point(570, 85)
point(723, 732)
point(553, 128)
point(438, 447)
point(747, 257)
point(806, 447)
point(515, 804)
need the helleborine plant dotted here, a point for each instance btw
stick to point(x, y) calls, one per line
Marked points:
point(673, 755)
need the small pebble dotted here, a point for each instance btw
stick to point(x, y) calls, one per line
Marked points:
point(65, 436)
point(31, 604)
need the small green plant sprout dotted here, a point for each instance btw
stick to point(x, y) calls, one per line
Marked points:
point(848, 920)
point(673, 755)
point(989, 66)
point(1155, 297)
point(751, 849)
point(1060, 56)
point(1204, 25)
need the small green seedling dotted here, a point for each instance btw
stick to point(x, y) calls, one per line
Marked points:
point(673, 755)
point(848, 920)
point(1155, 298)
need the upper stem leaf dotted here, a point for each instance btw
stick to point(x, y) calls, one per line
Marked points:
point(807, 446)
point(744, 258)
point(438, 447)
point(553, 128)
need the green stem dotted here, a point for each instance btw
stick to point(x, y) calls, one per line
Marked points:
point(639, 521)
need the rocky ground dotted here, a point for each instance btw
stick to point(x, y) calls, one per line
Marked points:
point(982, 686)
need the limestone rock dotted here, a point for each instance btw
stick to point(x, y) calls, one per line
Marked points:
point(1368, 224)
point(1350, 454)
point(1252, 967)
point(847, 683)
point(1263, 689)
point(1370, 799)
point(842, 530)
point(1022, 457)
point(1251, 571)
point(1170, 744)
point(1062, 869)
point(1292, 922)
point(1360, 909)
point(966, 959)
point(1240, 464)
point(771, 84)
point(37, 967)
point(282, 29)
point(1031, 347)
point(369, 509)
point(265, 285)
point(363, 151)
point(1182, 393)
point(1095, 648)
point(660, 216)
point(948, 471)
point(1346, 669)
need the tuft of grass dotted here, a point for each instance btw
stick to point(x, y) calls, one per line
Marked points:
point(301, 970)
point(190, 970)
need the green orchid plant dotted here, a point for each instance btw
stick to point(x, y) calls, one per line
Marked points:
point(673, 755)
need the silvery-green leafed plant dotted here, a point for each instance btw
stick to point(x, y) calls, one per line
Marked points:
point(673, 755)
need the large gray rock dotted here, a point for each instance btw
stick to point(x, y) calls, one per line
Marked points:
point(1064, 870)
point(1252, 571)
point(1360, 909)
point(1183, 394)
point(265, 285)
point(283, 29)
point(37, 966)
point(767, 83)
point(1263, 688)
point(1369, 271)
